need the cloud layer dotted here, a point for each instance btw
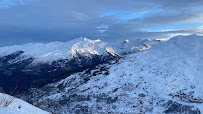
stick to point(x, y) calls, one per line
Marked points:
point(50, 20)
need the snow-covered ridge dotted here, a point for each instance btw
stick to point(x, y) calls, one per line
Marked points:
point(67, 50)
point(164, 79)
point(18, 106)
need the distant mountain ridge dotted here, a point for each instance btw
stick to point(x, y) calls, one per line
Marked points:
point(67, 50)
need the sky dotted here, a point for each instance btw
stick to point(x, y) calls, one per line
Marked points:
point(25, 21)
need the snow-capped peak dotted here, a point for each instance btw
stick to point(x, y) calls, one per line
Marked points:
point(89, 47)
point(126, 41)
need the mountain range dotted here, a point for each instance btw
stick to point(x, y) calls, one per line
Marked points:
point(92, 76)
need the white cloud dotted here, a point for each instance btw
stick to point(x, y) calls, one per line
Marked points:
point(67, 19)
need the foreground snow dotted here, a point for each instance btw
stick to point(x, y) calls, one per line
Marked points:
point(18, 106)
point(164, 79)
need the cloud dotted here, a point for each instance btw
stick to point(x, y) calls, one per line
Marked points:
point(50, 20)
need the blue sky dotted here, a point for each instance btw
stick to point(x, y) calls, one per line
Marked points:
point(61, 20)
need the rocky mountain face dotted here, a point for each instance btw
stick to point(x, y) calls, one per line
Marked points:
point(23, 75)
point(164, 79)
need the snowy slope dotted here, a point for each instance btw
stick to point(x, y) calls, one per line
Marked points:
point(164, 79)
point(18, 106)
